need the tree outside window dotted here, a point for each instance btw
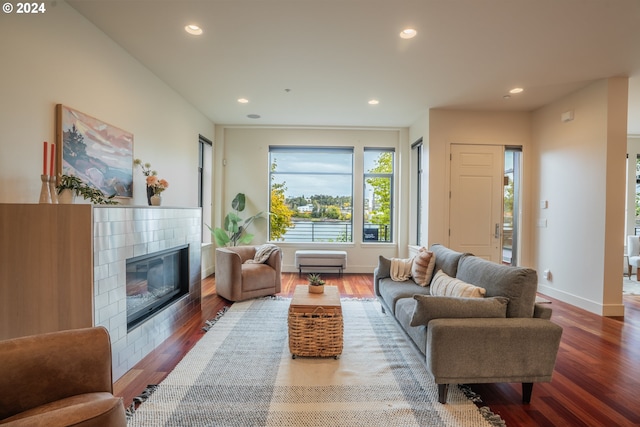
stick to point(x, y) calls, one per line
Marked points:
point(378, 195)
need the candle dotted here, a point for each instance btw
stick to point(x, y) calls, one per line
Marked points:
point(44, 159)
point(52, 169)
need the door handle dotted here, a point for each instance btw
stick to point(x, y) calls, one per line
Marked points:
point(496, 233)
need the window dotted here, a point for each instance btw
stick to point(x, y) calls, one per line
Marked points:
point(511, 205)
point(378, 195)
point(205, 170)
point(311, 192)
point(416, 180)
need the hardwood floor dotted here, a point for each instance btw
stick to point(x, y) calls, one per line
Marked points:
point(596, 381)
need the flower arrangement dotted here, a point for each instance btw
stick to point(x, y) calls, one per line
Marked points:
point(155, 184)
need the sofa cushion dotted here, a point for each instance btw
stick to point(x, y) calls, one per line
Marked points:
point(404, 312)
point(391, 291)
point(445, 286)
point(422, 267)
point(430, 307)
point(446, 259)
point(89, 409)
point(516, 283)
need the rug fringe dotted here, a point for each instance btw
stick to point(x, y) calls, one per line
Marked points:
point(142, 397)
point(209, 323)
point(493, 418)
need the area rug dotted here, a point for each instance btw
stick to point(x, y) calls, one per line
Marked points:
point(241, 373)
point(630, 287)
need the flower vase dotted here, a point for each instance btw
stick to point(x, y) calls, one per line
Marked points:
point(66, 197)
point(149, 194)
point(156, 200)
point(45, 192)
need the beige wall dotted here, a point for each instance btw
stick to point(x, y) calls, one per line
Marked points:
point(59, 57)
point(580, 170)
point(449, 127)
point(242, 165)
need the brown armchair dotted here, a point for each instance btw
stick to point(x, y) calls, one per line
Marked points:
point(59, 379)
point(237, 280)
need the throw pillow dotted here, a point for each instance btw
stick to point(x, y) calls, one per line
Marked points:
point(384, 267)
point(422, 268)
point(445, 286)
point(429, 307)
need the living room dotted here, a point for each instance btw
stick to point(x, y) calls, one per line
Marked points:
point(578, 166)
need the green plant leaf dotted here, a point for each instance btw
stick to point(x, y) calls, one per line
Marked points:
point(231, 222)
point(238, 202)
point(221, 237)
point(245, 239)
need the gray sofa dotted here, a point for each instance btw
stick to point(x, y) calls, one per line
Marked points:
point(462, 341)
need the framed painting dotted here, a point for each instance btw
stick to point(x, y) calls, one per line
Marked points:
point(98, 153)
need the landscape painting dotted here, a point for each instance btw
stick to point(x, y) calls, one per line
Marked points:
point(96, 152)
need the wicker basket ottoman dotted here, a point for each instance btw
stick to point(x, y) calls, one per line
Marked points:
point(315, 323)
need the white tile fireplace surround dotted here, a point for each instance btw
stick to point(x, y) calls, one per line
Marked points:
point(121, 233)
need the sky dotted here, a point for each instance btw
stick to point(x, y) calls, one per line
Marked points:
point(333, 177)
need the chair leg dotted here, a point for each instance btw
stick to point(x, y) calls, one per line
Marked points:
point(629, 275)
point(527, 389)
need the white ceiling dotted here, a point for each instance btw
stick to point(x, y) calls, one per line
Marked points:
point(318, 62)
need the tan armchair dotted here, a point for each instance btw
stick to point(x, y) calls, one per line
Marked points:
point(59, 379)
point(237, 280)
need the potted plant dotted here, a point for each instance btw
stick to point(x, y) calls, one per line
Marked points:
point(316, 284)
point(71, 186)
point(234, 232)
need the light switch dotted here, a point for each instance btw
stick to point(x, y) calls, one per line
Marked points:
point(544, 204)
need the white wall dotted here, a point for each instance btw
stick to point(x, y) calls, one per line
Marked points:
point(242, 165)
point(448, 127)
point(580, 171)
point(61, 58)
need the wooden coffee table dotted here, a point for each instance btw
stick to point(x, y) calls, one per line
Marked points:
point(315, 323)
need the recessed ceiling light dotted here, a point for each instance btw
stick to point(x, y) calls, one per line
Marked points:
point(408, 33)
point(253, 116)
point(516, 90)
point(243, 100)
point(374, 102)
point(193, 29)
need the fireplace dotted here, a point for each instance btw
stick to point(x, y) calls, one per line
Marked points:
point(155, 281)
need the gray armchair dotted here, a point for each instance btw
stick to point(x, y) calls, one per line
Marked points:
point(237, 279)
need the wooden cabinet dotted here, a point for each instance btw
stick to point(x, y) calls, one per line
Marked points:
point(46, 268)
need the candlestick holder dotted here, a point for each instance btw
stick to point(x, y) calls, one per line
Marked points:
point(52, 190)
point(45, 192)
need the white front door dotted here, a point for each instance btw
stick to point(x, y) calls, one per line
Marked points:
point(476, 197)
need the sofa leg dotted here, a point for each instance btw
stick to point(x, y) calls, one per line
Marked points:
point(527, 389)
point(442, 393)
point(383, 311)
